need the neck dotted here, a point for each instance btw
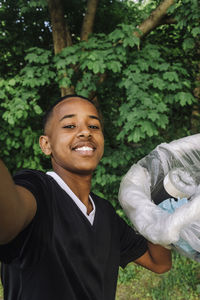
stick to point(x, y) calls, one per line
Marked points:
point(80, 184)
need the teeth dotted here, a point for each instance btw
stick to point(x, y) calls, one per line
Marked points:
point(84, 148)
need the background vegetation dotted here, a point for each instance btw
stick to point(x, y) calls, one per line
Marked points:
point(139, 60)
point(181, 283)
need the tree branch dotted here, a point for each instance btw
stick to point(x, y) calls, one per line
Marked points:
point(88, 20)
point(167, 20)
point(155, 18)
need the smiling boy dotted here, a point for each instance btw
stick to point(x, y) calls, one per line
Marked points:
point(57, 239)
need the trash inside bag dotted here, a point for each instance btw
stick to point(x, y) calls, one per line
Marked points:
point(170, 205)
point(169, 171)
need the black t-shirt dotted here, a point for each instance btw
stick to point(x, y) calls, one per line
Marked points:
point(60, 255)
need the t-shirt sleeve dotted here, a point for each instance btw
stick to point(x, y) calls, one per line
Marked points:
point(32, 235)
point(132, 244)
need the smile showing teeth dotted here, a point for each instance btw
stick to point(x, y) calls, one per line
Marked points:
point(84, 148)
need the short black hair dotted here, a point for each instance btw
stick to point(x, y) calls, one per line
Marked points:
point(47, 115)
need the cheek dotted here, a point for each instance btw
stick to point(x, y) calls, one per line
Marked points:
point(60, 143)
point(102, 145)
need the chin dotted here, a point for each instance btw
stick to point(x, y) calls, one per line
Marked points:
point(85, 171)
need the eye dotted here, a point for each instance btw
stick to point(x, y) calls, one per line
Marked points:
point(70, 126)
point(93, 126)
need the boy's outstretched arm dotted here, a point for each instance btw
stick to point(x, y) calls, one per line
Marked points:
point(17, 206)
point(156, 258)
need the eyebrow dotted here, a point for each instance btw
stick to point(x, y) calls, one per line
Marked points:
point(73, 115)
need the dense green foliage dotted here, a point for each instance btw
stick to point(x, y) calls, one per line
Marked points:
point(146, 97)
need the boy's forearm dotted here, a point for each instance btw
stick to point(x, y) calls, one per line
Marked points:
point(160, 255)
point(7, 186)
point(17, 206)
point(9, 203)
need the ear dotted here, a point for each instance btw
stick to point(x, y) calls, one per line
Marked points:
point(45, 144)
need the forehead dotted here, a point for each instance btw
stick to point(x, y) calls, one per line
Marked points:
point(74, 106)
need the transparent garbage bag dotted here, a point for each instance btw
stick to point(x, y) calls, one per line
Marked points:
point(171, 170)
point(181, 245)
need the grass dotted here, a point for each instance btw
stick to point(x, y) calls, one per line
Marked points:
point(1, 291)
point(182, 282)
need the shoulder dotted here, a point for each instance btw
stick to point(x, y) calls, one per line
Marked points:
point(37, 182)
point(29, 174)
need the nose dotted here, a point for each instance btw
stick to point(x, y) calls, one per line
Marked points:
point(84, 132)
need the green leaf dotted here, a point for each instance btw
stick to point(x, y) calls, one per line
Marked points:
point(61, 63)
point(148, 127)
point(65, 82)
point(136, 135)
point(184, 98)
point(37, 109)
point(31, 57)
point(12, 82)
point(195, 31)
point(171, 76)
point(117, 34)
point(153, 116)
point(153, 53)
point(28, 140)
point(115, 66)
point(161, 107)
point(137, 78)
point(188, 44)
point(173, 86)
point(92, 57)
point(130, 41)
point(164, 66)
point(96, 67)
point(158, 83)
point(90, 65)
point(143, 65)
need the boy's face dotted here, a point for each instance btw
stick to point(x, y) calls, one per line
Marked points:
point(74, 137)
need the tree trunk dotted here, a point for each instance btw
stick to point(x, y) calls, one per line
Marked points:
point(58, 25)
point(60, 32)
point(88, 20)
